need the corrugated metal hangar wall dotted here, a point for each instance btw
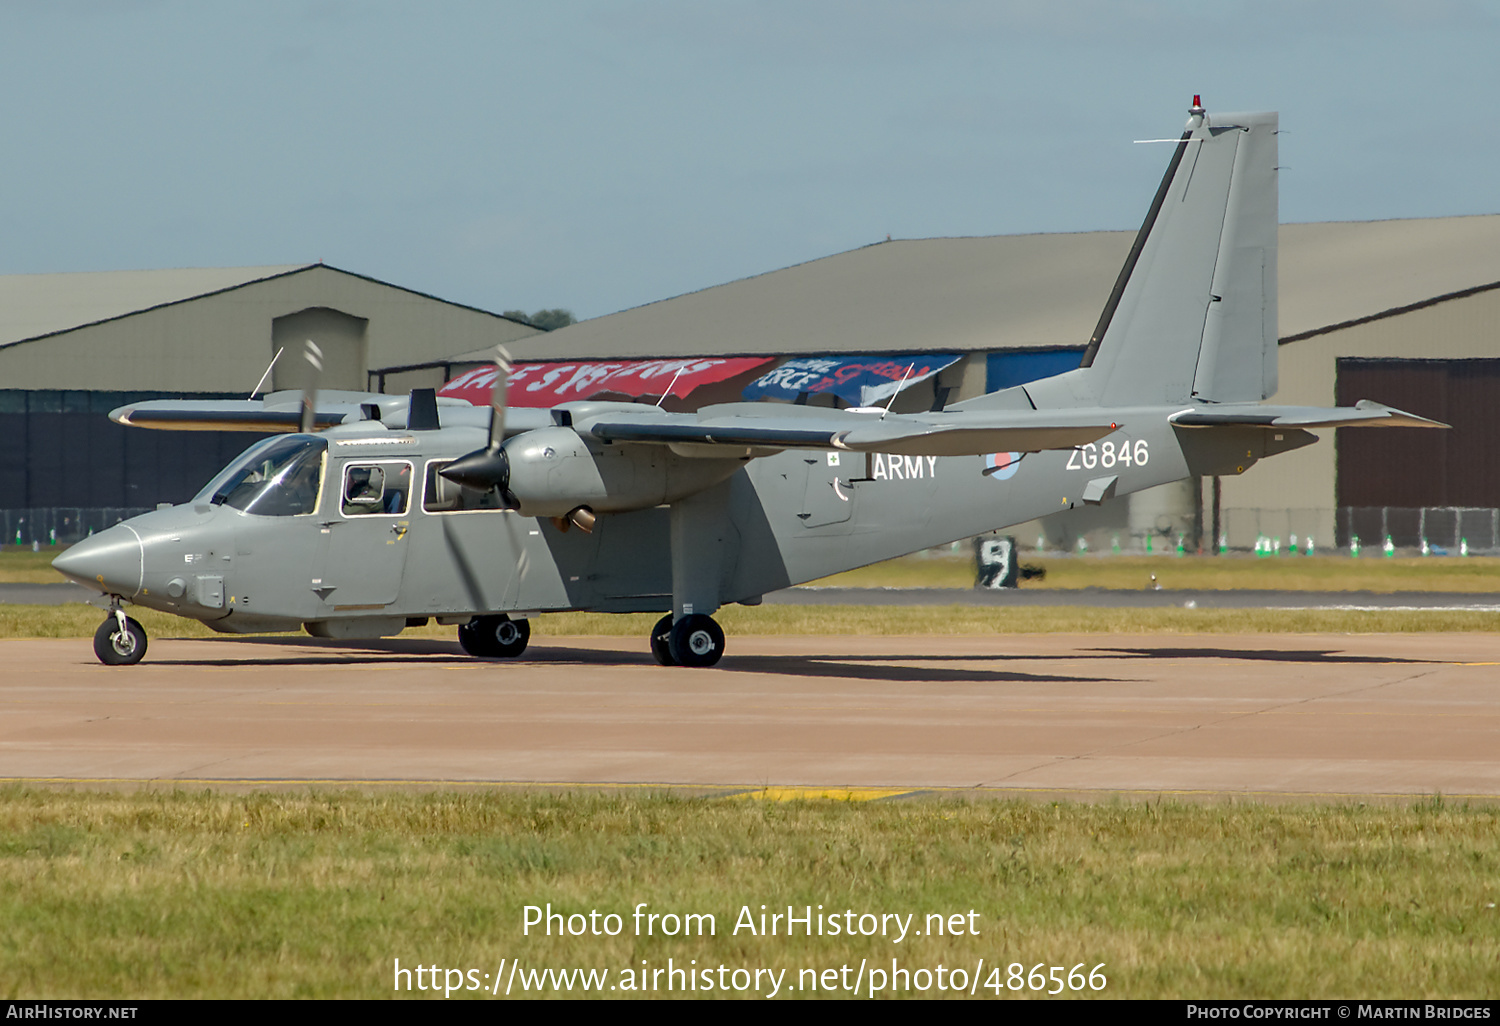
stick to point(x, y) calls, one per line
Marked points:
point(1438, 358)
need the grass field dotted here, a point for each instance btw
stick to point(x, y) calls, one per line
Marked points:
point(22, 566)
point(314, 895)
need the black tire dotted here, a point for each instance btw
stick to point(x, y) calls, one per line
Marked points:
point(661, 647)
point(494, 637)
point(115, 648)
point(696, 640)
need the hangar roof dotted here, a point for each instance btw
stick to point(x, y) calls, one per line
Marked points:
point(34, 306)
point(964, 294)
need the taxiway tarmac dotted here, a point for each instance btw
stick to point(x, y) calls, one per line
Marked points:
point(1268, 715)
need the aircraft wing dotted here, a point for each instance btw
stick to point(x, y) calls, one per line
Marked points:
point(282, 412)
point(222, 415)
point(1362, 414)
point(778, 426)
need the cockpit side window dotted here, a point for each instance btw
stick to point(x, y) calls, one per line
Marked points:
point(376, 488)
point(279, 477)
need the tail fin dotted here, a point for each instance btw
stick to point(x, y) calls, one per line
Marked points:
point(1192, 316)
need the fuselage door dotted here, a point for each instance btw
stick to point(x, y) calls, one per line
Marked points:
point(367, 529)
point(828, 497)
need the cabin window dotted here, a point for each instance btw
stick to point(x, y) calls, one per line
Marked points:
point(376, 488)
point(444, 496)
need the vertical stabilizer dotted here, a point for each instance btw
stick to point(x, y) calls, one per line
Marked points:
point(1192, 316)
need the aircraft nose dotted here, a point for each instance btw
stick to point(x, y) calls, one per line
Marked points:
point(111, 561)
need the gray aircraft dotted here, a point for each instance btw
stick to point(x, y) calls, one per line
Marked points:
point(371, 513)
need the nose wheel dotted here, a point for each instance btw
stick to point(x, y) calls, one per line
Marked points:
point(494, 637)
point(120, 640)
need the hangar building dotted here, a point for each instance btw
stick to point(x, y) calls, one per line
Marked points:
point(75, 346)
point(1405, 312)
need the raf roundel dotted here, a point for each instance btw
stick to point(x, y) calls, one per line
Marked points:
point(1001, 465)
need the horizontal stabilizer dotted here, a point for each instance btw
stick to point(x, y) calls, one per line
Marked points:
point(1362, 414)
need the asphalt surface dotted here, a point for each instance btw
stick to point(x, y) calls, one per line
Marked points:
point(59, 594)
point(1270, 716)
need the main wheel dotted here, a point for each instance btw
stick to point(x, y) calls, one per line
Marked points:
point(115, 647)
point(494, 637)
point(696, 640)
point(661, 647)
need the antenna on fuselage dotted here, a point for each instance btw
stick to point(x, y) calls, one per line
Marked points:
point(267, 374)
point(909, 368)
point(672, 385)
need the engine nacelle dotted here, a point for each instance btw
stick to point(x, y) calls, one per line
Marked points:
point(554, 470)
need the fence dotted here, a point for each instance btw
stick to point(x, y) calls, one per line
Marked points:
point(60, 524)
point(1445, 528)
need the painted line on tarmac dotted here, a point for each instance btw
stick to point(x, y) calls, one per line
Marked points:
point(836, 794)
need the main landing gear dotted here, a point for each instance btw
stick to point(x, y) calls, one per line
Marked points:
point(494, 637)
point(694, 640)
point(120, 640)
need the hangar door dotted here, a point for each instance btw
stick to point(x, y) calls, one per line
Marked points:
point(1416, 468)
point(340, 337)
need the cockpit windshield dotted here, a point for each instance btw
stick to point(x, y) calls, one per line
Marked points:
point(279, 477)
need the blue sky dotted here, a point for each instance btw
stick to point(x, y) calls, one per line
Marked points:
point(600, 155)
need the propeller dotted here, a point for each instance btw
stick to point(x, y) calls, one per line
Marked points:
point(489, 467)
point(314, 357)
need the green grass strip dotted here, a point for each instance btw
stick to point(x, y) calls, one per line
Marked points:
point(216, 895)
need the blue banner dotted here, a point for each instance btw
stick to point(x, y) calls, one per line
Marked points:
point(1010, 367)
point(858, 380)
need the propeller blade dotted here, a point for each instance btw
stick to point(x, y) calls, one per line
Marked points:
point(314, 357)
point(489, 467)
point(497, 398)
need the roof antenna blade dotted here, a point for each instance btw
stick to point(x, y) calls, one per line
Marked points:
point(672, 385)
point(267, 374)
point(909, 368)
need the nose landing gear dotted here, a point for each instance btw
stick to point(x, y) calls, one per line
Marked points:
point(120, 640)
